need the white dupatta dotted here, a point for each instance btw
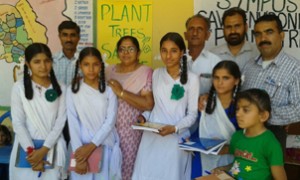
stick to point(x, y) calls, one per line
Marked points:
point(218, 126)
point(44, 129)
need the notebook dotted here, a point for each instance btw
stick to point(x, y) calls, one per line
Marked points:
point(21, 159)
point(94, 161)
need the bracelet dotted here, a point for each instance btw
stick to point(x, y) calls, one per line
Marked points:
point(121, 94)
point(176, 130)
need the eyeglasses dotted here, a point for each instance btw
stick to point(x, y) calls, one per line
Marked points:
point(130, 49)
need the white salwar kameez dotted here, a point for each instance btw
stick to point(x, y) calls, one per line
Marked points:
point(216, 126)
point(38, 119)
point(91, 118)
point(159, 158)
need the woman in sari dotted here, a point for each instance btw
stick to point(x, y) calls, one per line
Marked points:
point(132, 83)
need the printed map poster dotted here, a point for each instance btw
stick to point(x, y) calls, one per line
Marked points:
point(287, 10)
point(115, 19)
point(23, 22)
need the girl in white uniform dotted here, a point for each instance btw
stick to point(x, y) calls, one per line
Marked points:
point(175, 92)
point(91, 109)
point(39, 113)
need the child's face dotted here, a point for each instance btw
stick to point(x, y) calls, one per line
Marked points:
point(3, 138)
point(224, 82)
point(248, 115)
point(40, 66)
point(90, 67)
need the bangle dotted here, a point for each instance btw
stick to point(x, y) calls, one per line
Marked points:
point(121, 94)
point(176, 130)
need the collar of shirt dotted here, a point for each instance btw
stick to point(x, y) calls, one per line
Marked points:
point(60, 55)
point(278, 60)
point(223, 49)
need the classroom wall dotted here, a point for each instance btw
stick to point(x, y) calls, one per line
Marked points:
point(168, 15)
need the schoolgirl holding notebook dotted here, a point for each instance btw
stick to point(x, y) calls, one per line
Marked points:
point(92, 108)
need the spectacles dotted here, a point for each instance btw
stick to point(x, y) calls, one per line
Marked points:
point(130, 49)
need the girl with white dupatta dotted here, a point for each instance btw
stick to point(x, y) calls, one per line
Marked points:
point(219, 121)
point(38, 111)
point(92, 108)
point(174, 90)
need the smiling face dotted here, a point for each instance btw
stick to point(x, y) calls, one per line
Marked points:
point(40, 66)
point(268, 39)
point(224, 82)
point(90, 67)
point(170, 54)
point(235, 30)
point(128, 53)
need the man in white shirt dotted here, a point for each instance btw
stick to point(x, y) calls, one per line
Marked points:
point(202, 61)
point(236, 48)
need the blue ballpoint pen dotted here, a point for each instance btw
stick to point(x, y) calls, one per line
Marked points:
point(40, 174)
point(207, 172)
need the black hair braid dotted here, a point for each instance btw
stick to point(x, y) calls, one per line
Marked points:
point(75, 81)
point(27, 84)
point(183, 75)
point(102, 85)
point(211, 101)
point(231, 112)
point(54, 83)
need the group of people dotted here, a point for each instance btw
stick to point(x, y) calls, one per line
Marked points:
point(73, 93)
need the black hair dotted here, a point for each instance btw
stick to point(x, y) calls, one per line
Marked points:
point(178, 40)
point(260, 98)
point(89, 51)
point(269, 17)
point(68, 25)
point(132, 39)
point(233, 69)
point(207, 21)
point(233, 11)
point(31, 51)
point(7, 133)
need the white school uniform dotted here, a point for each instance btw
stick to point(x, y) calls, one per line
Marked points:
point(38, 119)
point(91, 118)
point(159, 157)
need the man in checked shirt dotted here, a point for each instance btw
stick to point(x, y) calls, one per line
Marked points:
point(277, 73)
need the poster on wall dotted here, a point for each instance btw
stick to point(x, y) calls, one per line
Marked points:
point(287, 10)
point(115, 18)
point(23, 22)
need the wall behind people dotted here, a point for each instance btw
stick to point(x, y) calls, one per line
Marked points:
point(287, 10)
point(28, 21)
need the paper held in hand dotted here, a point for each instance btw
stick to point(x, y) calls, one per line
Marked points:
point(203, 145)
point(148, 126)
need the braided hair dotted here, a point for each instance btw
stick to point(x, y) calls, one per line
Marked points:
point(31, 51)
point(178, 40)
point(233, 69)
point(89, 51)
